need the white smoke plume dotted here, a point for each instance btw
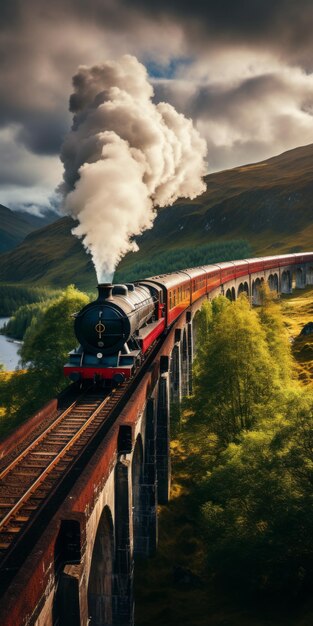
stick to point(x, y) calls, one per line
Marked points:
point(123, 157)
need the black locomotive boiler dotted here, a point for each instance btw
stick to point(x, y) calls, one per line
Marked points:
point(114, 332)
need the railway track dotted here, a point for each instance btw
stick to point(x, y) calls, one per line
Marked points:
point(37, 478)
point(34, 475)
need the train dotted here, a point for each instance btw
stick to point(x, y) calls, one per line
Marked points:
point(116, 331)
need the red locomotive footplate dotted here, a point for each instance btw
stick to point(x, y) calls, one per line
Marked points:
point(102, 372)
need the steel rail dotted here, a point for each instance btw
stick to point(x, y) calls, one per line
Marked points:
point(38, 439)
point(59, 456)
point(23, 511)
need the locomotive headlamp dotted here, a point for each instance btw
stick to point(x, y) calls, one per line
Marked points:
point(99, 355)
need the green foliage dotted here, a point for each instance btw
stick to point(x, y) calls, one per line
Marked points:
point(202, 327)
point(258, 516)
point(189, 256)
point(248, 433)
point(14, 296)
point(276, 333)
point(22, 319)
point(233, 370)
point(47, 342)
point(51, 335)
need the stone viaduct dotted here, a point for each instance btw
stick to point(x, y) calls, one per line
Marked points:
point(81, 570)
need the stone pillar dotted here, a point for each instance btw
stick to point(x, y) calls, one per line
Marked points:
point(257, 283)
point(148, 541)
point(184, 364)
point(123, 601)
point(190, 353)
point(300, 278)
point(309, 274)
point(100, 583)
point(286, 282)
point(68, 596)
point(175, 370)
point(163, 440)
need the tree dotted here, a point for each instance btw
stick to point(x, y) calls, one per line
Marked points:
point(258, 515)
point(276, 333)
point(233, 373)
point(47, 342)
point(49, 338)
point(202, 326)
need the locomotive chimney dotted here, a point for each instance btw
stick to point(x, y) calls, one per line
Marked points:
point(105, 292)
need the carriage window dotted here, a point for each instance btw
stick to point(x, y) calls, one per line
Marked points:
point(170, 299)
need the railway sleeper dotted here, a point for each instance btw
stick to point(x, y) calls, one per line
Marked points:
point(42, 453)
point(27, 471)
point(40, 463)
point(7, 501)
point(22, 518)
point(11, 493)
point(27, 508)
point(14, 528)
point(57, 447)
point(6, 538)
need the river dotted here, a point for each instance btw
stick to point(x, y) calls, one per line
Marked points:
point(8, 349)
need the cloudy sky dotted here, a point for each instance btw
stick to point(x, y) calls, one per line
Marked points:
point(242, 70)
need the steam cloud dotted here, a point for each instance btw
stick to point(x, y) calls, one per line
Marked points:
point(123, 157)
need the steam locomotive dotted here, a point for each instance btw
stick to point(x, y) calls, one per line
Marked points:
point(116, 330)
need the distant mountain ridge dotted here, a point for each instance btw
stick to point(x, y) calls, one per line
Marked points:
point(267, 204)
point(15, 226)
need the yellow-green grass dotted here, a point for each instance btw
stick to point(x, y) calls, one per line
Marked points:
point(4, 378)
point(298, 311)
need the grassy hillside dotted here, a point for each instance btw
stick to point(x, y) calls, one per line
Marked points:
point(14, 227)
point(298, 311)
point(267, 205)
point(49, 256)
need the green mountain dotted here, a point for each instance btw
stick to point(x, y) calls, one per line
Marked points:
point(266, 206)
point(15, 226)
point(49, 256)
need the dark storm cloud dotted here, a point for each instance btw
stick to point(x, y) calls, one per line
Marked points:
point(249, 119)
point(43, 133)
point(283, 24)
point(214, 101)
point(41, 44)
point(244, 106)
point(20, 168)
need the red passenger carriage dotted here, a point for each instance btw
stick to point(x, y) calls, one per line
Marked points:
point(117, 330)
